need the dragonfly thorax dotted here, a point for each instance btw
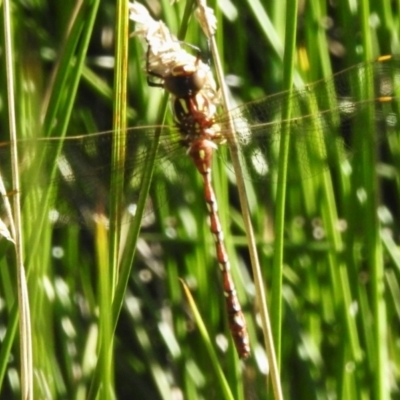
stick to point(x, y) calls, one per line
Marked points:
point(193, 114)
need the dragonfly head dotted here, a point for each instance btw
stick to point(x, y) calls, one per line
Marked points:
point(185, 81)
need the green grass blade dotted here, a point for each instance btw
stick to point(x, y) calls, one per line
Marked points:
point(276, 317)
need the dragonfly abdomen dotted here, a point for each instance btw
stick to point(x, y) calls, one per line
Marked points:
point(201, 152)
point(236, 320)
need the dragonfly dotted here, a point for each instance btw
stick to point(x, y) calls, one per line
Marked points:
point(324, 116)
point(194, 118)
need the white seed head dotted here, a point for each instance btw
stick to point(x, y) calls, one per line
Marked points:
point(165, 53)
point(207, 20)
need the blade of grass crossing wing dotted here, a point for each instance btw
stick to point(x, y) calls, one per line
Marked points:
point(119, 138)
point(288, 72)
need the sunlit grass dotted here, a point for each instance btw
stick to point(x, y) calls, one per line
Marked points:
point(339, 332)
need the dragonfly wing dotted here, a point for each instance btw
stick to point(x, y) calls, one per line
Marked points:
point(72, 176)
point(328, 119)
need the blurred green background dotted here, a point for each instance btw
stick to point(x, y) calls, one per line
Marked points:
point(340, 327)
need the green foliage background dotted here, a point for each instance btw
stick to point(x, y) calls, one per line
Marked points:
point(340, 327)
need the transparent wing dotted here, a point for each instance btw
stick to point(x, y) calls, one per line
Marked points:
point(328, 120)
point(73, 175)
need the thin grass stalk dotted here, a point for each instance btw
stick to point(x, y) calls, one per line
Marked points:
point(288, 63)
point(26, 363)
point(117, 284)
point(373, 241)
point(208, 344)
point(233, 146)
point(119, 136)
point(105, 344)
